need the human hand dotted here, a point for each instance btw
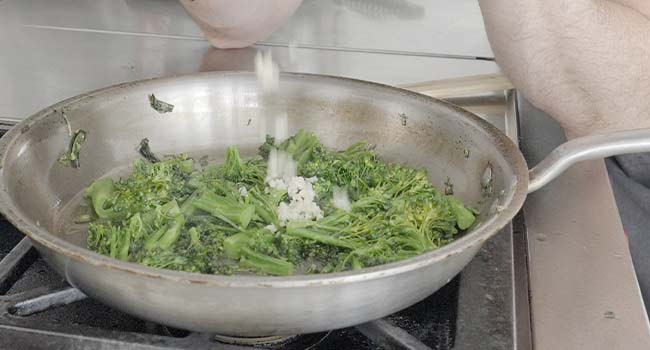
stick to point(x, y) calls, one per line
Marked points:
point(235, 24)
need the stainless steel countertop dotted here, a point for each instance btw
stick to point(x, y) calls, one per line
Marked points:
point(58, 49)
point(417, 26)
point(583, 291)
point(579, 264)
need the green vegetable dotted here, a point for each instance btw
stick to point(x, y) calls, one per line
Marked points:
point(233, 167)
point(71, 156)
point(266, 147)
point(169, 236)
point(464, 217)
point(301, 146)
point(100, 193)
point(223, 218)
point(240, 247)
point(234, 244)
point(160, 106)
point(449, 187)
point(266, 264)
point(318, 237)
point(195, 240)
point(145, 151)
point(149, 186)
point(115, 241)
point(227, 209)
point(264, 206)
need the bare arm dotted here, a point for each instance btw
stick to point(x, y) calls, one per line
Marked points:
point(586, 62)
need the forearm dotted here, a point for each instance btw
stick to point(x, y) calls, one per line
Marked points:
point(585, 62)
point(642, 6)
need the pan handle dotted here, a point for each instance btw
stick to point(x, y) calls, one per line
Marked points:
point(586, 148)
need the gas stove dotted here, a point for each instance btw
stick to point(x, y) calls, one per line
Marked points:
point(477, 309)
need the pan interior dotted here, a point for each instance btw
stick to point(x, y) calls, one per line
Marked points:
point(213, 111)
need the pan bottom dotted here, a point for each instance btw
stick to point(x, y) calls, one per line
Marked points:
point(254, 341)
point(290, 342)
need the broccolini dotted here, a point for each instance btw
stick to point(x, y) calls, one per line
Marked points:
point(223, 219)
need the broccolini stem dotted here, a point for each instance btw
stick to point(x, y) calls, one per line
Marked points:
point(233, 164)
point(113, 244)
point(152, 242)
point(234, 244)
point(173, 232)
point(166, 236)
point(213, 222)
point(263, 207)
point(124, 246)
point(194, 237)
point(266, 264)
point(188, 207)
point(135, 226)
point(356, 264)
point(226, 209)
point(302, 232)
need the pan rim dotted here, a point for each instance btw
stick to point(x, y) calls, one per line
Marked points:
point(494, 224)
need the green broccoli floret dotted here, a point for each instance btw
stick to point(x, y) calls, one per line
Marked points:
point(234, 170)
point(300, 146)
point(115, 241)
point(264, 206)
point(223, 219)
point(240, 247)
point(101, 193)
point(266, 147)
point(148, 186)
point(233, 166)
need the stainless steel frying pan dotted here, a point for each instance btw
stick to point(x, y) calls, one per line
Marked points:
point(214, 110)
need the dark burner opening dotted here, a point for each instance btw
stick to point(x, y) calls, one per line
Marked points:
point(433, 320)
